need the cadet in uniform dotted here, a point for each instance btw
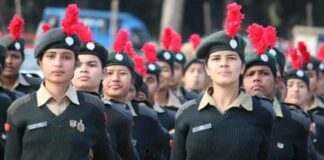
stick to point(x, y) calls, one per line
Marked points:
point(57, 122)
point(178, 70)
point(11, 78)
point(151, 78)
point(119, 76)
point(194, 78)
point(225, 121)
point(165, 59)
point(289, 137)
point(88, 77)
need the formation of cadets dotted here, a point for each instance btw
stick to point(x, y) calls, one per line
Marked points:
point(95, 104)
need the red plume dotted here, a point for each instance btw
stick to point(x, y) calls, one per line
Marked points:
point(176, 42)
point(46, 27)
point(139, 65)
point(255, 35)
point(15, 27)
point(149, 50)
point(71, 19)
point(303, 50)
point(296, 61)
point(84, 32)
point(233, 19)
point(195, 41)
point(129, 49)
point(320, 53)
point(121, 38)
point(270, 36)
point(166, 38)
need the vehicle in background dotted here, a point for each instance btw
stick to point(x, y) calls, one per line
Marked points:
point(99, 23)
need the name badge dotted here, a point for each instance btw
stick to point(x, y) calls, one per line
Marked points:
point(37, 125)
point(201, 128)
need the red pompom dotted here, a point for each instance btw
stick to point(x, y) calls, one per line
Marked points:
point(71, 19)
point(320, 53)
point(255, 35)
point(270, 34)
point(139, 65)
point(233, 19)
point(176, 42)
point(195, 41)
point(129, 49)
point(303, 50)
point(16, 27)
point(166, 38)
point(84, 32)
point(46, 27)
point(149, 50)
point(296, 61)
point(122, 37)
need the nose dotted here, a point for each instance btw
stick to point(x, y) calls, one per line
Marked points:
point(58, 62)
point(83, 68)
point(256, 77)
point(223, 62)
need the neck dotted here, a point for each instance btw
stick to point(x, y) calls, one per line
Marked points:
point(309, 102)
point(161, 97)
point(225, 95)
point(8, 81)
point(58, 91)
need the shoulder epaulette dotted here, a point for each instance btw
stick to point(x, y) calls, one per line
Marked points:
point(185, 106)
point(92, 100)
point(123, 111)
point(267, 104)
point(300, 116)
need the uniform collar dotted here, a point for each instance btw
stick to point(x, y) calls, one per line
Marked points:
point(317, 103)
point(43, 95)
point(131, 108)
point(20, 80)
point(173, 100)
point(158, 109)
point(277, 108)
point(243, 100)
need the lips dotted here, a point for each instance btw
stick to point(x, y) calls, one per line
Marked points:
point(115, 86)
point(58, 72)
point(257, 87)
point(83, 78)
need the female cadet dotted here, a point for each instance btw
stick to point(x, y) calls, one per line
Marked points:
point(224, 123)
point(57, 122)
point(87, 78)
point(194, 72)
point(289, 136)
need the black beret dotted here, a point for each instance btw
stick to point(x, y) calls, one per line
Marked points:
point(56, 38)
point(219, 41)
point(95, 49)
point(166, 56)
point(14, 45)
point(265, 59)
point(296, 74)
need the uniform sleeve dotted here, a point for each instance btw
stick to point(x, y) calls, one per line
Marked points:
point(102, 149)
point(179, 145)
point(125, 148)
point(13, 147)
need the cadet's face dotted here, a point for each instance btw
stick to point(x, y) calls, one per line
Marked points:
point(58, 65)
point(152, 84)
point(224, 67)
point(195, 77)
point(12, 63)
point(88, 73)
point(312, 80)
point(117, 82)
point(166, 73)
point(296, 92)
point(259, 80)
point(178, 73)
point(320, 83)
